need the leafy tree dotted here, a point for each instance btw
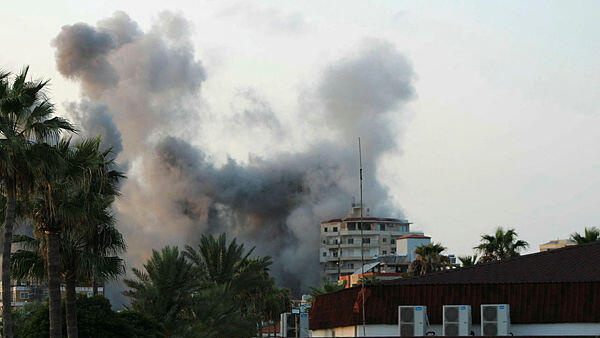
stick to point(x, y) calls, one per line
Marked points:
point(163, 290)
point(429, 259)
point(230, 266)
point(95, 316)
point(590, 235)
point(327, 287)
point(25, 119)
point(468, 260)
point(500, 245)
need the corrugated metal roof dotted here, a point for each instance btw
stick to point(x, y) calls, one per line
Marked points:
point(559, 286)
point(366, 267)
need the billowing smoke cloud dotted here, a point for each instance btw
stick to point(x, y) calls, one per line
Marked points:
point(176, 191)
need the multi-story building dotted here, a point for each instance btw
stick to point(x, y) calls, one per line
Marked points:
point(340, 248)
point(556, 244)
point(28, 292)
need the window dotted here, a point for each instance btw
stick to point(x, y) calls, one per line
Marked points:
point(324, 254)
point(366, 240)
point(350, 265)
point(384, 252)
point(90, 294)
point(335, 229)
point(393, 241)
point(335, 241)
point(24, 295)
point(393, 250)
point(365, 226)
point(382, 227)
point(351, 226)
point(350, 240)
point(325, 229)
point(384, 239)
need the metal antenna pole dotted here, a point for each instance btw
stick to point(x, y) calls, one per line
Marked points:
point(362, 239)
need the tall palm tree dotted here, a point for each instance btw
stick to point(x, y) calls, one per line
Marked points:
point(163, 289)
point(468, 260)
point(82, 256)
point(500, 245)
point(64, 196)
point(25, 118)
point(590, 235)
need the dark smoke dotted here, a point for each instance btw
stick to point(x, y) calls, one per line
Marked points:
point(176, 191)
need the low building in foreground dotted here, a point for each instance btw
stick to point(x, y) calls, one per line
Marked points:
point(557, 244)
point(556, 292)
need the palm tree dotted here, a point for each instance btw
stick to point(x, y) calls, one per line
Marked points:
point(83, 254)
point(468, 260)
point(590, 235)
point(501, 245)
point(429, 259)
point(64, 197)
point(25, 118)
point(164, 289)
point(327, 287)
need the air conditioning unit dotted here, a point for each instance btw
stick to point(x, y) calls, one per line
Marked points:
point(288, 324)
point(294, 324)
point(495, 319)
point(457, 320)
point(412, 320)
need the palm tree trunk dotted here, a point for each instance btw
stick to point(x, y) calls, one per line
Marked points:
point(53, 260)
point(71, 307)
point(94, 287)
point(9, 222)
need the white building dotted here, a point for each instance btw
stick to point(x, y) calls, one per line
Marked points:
point(340, 248)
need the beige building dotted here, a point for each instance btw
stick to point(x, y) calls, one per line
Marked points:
point(556, 244)
point(27, 292)
point(340, 247)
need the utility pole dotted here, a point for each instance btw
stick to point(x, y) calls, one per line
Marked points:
point(362, 239)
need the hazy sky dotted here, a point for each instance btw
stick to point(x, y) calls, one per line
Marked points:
point(504, 129)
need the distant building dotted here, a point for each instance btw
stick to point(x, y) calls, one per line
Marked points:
point(556, 244)
point(556, 292)
point(340, 247)
point(29, 292)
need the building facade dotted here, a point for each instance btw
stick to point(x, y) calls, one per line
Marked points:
point(29, 292)
point(340, 247)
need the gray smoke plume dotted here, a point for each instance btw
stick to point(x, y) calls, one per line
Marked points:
point(175, 191)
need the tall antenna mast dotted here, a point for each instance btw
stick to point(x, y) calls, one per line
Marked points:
point(362, 238)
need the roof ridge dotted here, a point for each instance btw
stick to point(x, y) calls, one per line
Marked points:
point(504, 261)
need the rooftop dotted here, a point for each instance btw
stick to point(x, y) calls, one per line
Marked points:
point(557, 286)
point(414, 236)
point(370, 219)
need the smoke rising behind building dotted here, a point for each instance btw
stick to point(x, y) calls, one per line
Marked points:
point(142, 90)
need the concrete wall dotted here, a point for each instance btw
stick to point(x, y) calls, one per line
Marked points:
point(407, 246)
point(382, 330)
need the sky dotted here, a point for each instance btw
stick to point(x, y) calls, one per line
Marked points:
point(502, 129)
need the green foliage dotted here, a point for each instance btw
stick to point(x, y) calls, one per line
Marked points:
point(500, 245)
point(369, 279)
point(590, 235)
point(214, 290)
point(164, 289)
point(327, 287)
point(429, 259)
point(96, 319)
point(468, 260)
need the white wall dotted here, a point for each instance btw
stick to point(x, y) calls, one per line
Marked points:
point(381, 330)
point(407, 246)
